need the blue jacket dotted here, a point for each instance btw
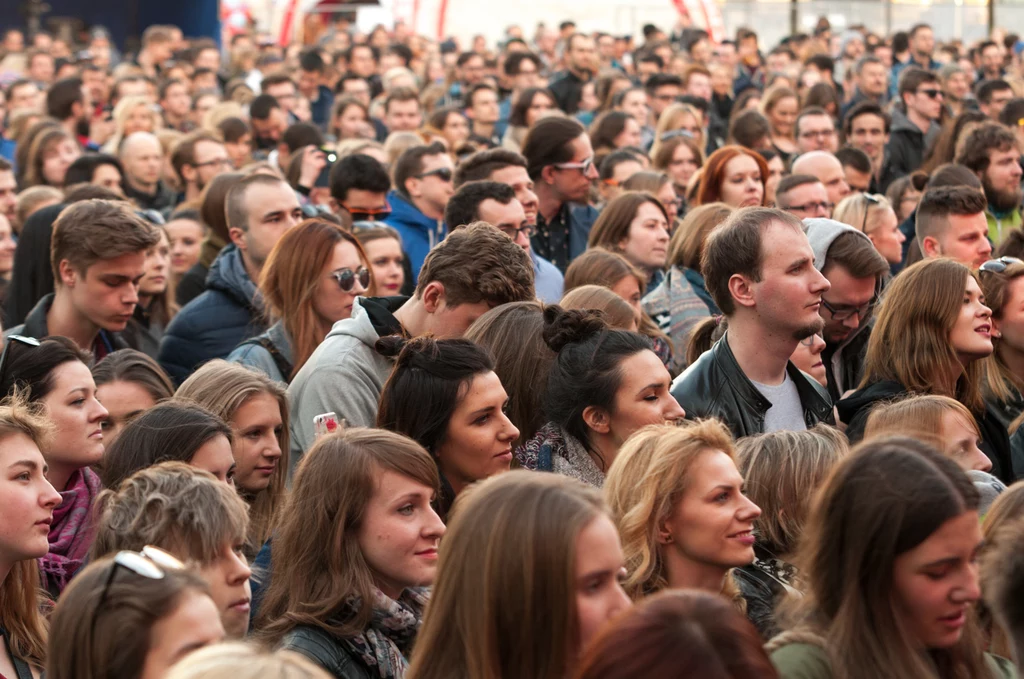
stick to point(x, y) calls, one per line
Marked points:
point(215, 322)
point(419, 233)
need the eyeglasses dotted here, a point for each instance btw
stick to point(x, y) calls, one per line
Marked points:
point(991, 266)
point(5, 357)
point(811, 207)
point(848, 312)
point(813, 134)
point(869, 200)
point(583, 167)
point(363, 215)
point(347, 278)
point(930, 93)
point(217, 162)
point(445, 174)
point(513, 232)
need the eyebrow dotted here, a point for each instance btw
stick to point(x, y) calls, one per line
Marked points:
point(952, 559)
point(81, 389)
point(652, 385)
point(482, 411)
point(29, 464)
point(799, 262)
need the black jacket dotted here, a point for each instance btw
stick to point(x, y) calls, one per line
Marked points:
point(32, 278)
point(715, 386)
point(35, 327)
point(323, 649)
point(162, 201)
point(568, 90)
point(905, 151)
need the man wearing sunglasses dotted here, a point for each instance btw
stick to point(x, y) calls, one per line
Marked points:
point(359, 186)
point(912, 132)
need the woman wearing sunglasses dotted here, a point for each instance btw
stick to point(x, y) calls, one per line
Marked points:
point(874, 216)
point(133, 614)
point(309, 282)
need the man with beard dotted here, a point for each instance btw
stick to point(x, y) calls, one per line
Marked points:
point(991, 152)
point(760, 269)
point(580, 56)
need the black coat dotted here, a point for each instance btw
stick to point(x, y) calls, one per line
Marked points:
point(32, 278)
point(326, 651)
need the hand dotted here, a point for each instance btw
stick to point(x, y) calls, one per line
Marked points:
point(313, 161)
point(101, 129)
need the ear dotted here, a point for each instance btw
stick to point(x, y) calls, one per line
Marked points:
point(996, 330)
point(433, 297)
point(664, 531)
point(412, 187)
point(237, 237)
point(597, 419)
point(68, 275)
point(188, 173)
point(930, 247)
point(742, 290)
point(547, 175)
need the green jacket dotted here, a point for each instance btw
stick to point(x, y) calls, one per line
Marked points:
point(810, 661)
point(999, 228)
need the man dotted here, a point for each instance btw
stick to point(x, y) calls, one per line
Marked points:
point(128, 86)
point(206, 55)
point(560, 161)
point(143, 160)
point(991, 61)
point(423, 185)
point(829, 171)
point(913, 131)
point(493, 203)
point(803, 196)
point(41, 67)
point(991, 152)
point(469, 71)
point(8, 191)
point(855, 271)
point(759, 268)
point(268, 122)
point(481, 107)
point(351, 85)
point(662, 91)
point(359, 187)
point(816, 131)
point(157, 49)
point(580, 58)
point(197, 159)
point(866, 127)
point(697, 81)
point(259, 210)
point(23, 94)
point(175, 103)
point(951, 222)
point(473, 270)
point(922, 45)
point(402, 112)
point(282, 88)
point(617, 167)
point(522, 71)
point(66, 101)
point(311, 85)
point(857, 168)
point(98, 256)
point(993, 96)
point(871, 79)
point(295, 138)
point(202, 521)
point(748, 61)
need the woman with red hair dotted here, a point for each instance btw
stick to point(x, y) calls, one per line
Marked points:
point(733, 175)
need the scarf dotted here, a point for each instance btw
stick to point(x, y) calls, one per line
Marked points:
point(70, 533)
point(386, 644)
point(556, 450)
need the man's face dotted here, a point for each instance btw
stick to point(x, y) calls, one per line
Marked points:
point(8, 194)
point(24, 96)
point(926, 100)
point(923, 42)
point(817, 133)
point(272, 210)
point(176, 100)
point(309, 81)
point(700, 52)
point(778, 62)
point(1000, 98)
point(699, 85)
point(14, 41)
point(363, 205)
point(273, 127)
point(107, 292)
point(957, 86)
point(663, 97)
point(485, 107)
point(362, 63)
point(211, 160)
point(161, 51)
point(108, 177)
point(432, 188)
point(582, 54)
point(873, 79)
point(867, 133)
point(858, 182)
point(846, 294)
point(208, 58)
point(527, 76)
point(403, 116)
point(360, 89)
point(41, 68)
point(965, 239)
point(284, 93)
point(96, 84)
point(992, 60)
point(518, 178)
point(606, 47)
point(807, 201)
point(573, 183)
point(509, 219)
point(133, 88)
point(142, 160)
point(473, 70)
point(1001, 180)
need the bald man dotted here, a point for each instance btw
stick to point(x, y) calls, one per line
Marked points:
point(829, 171)
point(143, 161)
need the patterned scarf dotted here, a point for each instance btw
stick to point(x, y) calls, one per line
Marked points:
point(387, 642)
point(71, 531)
point(556, 450)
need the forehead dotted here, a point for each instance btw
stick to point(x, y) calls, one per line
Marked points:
point(437, 161)
point(741, 163)
point(782, 243)
point(129, 265)
point(868, 121)
point(641, 369)
point(810, 191)
point(493, 212)
point(511, 175)
point(269, 197)
point(816, 121)
point(963, 224)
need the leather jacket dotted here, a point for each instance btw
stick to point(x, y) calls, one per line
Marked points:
point(326, 651)
point(715, 386)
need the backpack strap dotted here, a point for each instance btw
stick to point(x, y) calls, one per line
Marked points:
point(283, 366)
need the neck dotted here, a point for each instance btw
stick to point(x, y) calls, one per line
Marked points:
point(174, 120)
point(251, 267)
point(485, 130)
point(64, 319)
point(427, 209)
point(580, 73)
point(605, 450)
point(761, 354)
point(683, 573)
point(144, 301)
point(413, 317)
point(59, 474)
point(140, 186)
point(919, 120)
point(192, 192)
point(923, 59)
point(1013, 359)
point(548, 201)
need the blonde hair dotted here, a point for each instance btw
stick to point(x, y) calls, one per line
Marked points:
point(687, 243)
point(670, 120)
point(614, 310)
point(917, 416)
point(239, 660)
point(851, 211)
point(645, 483)
point(221, 112)
point(123, 111)
point(1001, 529)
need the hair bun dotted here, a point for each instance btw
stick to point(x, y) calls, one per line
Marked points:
point(390, 346)
point(567, 326)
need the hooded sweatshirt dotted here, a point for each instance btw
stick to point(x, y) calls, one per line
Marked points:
point(905, 151)
point(419, 232)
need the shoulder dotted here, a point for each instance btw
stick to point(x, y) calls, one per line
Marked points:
point(802, 661)
point(999, 667)
point(324, 649)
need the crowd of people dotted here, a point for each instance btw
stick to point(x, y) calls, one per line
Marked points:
point(578, 355)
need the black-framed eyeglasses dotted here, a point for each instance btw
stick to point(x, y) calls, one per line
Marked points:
point(848, 312)
point(811, 207)
point(513, 231)
point(998, 265)
point(217, 162)
point(347, 278)
point(869, 200)
point(445, 174)
point(6, 357)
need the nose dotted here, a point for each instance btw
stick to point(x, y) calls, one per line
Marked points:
point(509, 432)
point(99, 413)
point(433, 527)
point(620, 603)
point(132, 295)
point(592, 172)
point(49, 498)
point(672, 410)
point(273, 450)
point(981, 461)
point(971, 589)
point(822, 285)
point(853, 322)
point(749, 511)
point(241, 571)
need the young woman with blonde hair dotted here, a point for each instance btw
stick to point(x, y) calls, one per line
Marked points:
point(780, 106)
point(529, 571)
point(678, 120)
point(237, 660)
point(873, 216)
point(256, 409)
point(132, 114)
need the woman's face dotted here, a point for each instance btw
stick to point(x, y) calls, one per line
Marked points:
point(7, 247)
point(600, 568)
point(478, 443)
point(962, 441)
point(539, 106)
point(628, 288)
point(352, 123)
point(751, 104)
point(775, 171)
point(124, 402)
point(28, 500)
point(228, 577)
point(643, 396)
point(330, 302)
point(741, 182)
point(688, 123)
point(257, 424)
point(783, 116)
point(186, 240)
point(215, 456)
point(936, 583)
point(139, 120)
point(78, 417)
point(646, 242)
point(682, 166)
point(711, 528)
point(908, 203)
point(456, 129)
point(386, 259)
point(240, 152)
point(635, 104)
point(971, 335)
point(57, 159)
point(630, 135)
point(193, 624)
point(807, 357)
point(886, 235)
point(399, 533)
point(158, 262)
point(1011, 321)
point(666, 195)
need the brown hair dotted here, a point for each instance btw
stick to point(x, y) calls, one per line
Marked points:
point(710, 188)
point(687, 244)
point(45, 140)
point(995, 288)
point(184, 152)
point(615, 311)
point(748, 128)
point(129, 365)
point(917, 416)
point(236, 210)
point(704, 336)
point(937, 204)
point(211, 202)
point(1001, 572)
point(95, 230)
point(667, 149)
point(856, 254)
point(612, 226)
point(974, 153)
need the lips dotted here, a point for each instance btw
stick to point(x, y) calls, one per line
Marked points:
point(954, 620)
point(45, 522)
point(98, 434)
point(984, 330)
point(505, 454)
point(745, 537)
point(242, 605)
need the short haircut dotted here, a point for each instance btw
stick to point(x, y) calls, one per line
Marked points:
point(549, 142)
point(261, 106)
point(862, 109)
point(311, 61)
point(514, 62)
point(1012, 113)
point(95, 230)
point(482, 164)
point(855, 158)
point(464, 205)
point(276, 79)
point(736, 247)
point(937, 204)
point(62, 97)
point(185, 150)
point(822, 62)
point(300, 135)
point(613, 160)
point(465, 57)
point(913, 77)
point(410, 163)
point(917, 28)
point(156, 34)
point(358, 171)
point(858, 67)
point(83, 168)
point(694, 69)
point(974, 152)
point(400, 94)
point(232, 129)
point(661, 79)
point(984, 90)
point(467, 101)
point(856, 254)
point(374, 52)
point(811, 111)
point(161, 91)
point(787, 184)
point(236, 207)
point(478, 264)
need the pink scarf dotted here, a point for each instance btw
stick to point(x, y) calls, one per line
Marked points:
point(71, 531)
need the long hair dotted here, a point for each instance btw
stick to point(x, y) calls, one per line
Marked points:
point(918, 416)
point(504, 602)
point(318, 567)
point(612, 227)
point(223, 388)
point(291, 277)
point(710, 188)
point(615, 311)
point(44, 141)
point(129, 365)
point(996, 289)
point(997, 529)
point(884, 500)
point(663, 158)
point(910, 341)
point(671, 120)
point(687, 243)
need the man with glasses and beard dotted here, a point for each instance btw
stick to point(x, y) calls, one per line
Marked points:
point(991, 152)
point(914, 128)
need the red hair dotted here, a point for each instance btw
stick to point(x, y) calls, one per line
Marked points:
point(710, 188)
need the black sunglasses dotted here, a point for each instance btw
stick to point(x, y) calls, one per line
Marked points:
point(347, 278)
point(869, 200)
point(930, 93)
point(998, 265)
point(445, 174)
point(5, 357)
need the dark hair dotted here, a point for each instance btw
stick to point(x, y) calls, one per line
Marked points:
point(821, 95)
point(974, 154)
point(913, 77)
point(401, 94)
point(807, 112)
point(586, 371)
point(549, 142)
point(62, 96)
point(358, 171)
point(481, 164)
point(410, 163)
point(464, 205)
point(857, 255)
point(232, 129)
point(862, 109)
point(613, 160)
point(299, 135)
point(940, 202)
point(82, 169)
point(984, 90)
point(661, 79)
point(374, 52)
point(515, 61)
point(129, 365)
point(261, 106)
point(855, 158)
point(173, 430)
point(30, 369)
point(607, 127)
point(943, 149)
point(522, 104)
point(310, 60)
point(467, 100)
point(822, 62)
point(748, 128)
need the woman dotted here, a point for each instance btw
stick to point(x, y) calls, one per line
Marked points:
point(782, 471)
point(822, 95)
point(658, 185)
point(930, 335)
point(614, 130)
point(173, 430)
point(751, 130)
point(238, 660)
point(780, 106)
point(133, 614)
point(339, 594)
point(132, 114)
point(54, 374)
point(680, 507)
point(636, 226)
point(237, 140)
point(513, 335)
point(8, 245)
point(873, 215)
point(256, 409)
point(882, 602)
point(185, 233)
point(944, 149)
point(383, 248)
point(213, 215)
point(445, 395)
point(735, 176)
point(49, 157)
point(531, 104)
point(678, 635)
point(807, 357)
point(156, 306)
point(680, 157)
point(128, 383)
point(776, 171)
point(603, 385)
point(501, 610)
point(309, 282)
point(678, 120)
point(681, 300)
point(633, 100)
point(453, 126)
point(350, 119)
point(614, 310)
point(29, 501)
point(905, 193)
point(1002, 283)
